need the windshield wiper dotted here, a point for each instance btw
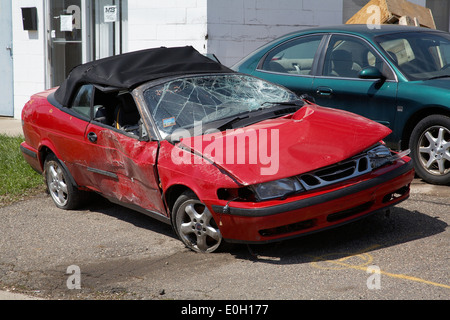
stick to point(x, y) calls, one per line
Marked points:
point(223, 123)
point(298, 103)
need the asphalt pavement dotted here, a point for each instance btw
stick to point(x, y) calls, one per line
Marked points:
point(12, 127)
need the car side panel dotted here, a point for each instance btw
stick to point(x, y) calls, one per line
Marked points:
point(370, 98)
point(124, 168)
point(193, 172)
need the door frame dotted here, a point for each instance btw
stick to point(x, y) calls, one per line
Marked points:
point(86, 31)
point(91, 30)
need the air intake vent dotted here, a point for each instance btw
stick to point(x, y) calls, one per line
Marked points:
point(342, 171)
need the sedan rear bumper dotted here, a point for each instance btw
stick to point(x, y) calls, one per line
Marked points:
point(265, 222)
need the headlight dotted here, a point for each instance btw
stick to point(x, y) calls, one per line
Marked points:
point(278, 188)
point(379, 156)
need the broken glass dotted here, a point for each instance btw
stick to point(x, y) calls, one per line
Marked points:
point(185, 102)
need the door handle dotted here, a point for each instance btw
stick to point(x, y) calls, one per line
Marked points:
point(9, 48)
point(324, 91)
point(92, 137)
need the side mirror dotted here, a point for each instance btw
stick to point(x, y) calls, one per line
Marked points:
point(308, 98)
point(371, 73)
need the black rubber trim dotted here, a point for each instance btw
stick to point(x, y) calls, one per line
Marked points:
point(300, 204)
point(28, 152)
point(104, 173)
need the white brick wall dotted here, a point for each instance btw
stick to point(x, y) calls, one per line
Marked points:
point(155, 23)
point(28, 56)
point(237, 27)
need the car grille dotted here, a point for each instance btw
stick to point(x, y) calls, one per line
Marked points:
point(336, 173)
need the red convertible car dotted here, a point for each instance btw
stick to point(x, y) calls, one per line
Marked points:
point(222, 156)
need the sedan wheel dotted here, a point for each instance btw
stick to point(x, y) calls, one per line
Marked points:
point(430, 147)
point(195, 225)
point(63, 193)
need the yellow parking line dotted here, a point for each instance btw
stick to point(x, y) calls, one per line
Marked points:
point(366, 260)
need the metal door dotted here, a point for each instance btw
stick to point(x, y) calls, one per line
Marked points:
point(6, 60)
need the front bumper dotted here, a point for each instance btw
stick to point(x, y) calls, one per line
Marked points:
point(276, 220)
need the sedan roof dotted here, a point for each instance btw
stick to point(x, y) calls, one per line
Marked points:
point(367, 30)
point(128, 70)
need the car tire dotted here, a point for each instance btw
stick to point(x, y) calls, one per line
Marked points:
point(430, 149)
point(59, 184)
point(195, 225)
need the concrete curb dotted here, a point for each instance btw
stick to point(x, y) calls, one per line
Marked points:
point(7, 295)
point(10, 126)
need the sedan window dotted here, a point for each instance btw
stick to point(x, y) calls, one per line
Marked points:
point(347, 56)
point(83, 100)
point(293, 57)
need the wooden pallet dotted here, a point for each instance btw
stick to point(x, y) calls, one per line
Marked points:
point(394, 12)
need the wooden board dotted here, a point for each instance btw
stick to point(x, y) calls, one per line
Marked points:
point(393, 11)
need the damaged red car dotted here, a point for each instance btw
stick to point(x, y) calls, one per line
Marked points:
point(219, 155)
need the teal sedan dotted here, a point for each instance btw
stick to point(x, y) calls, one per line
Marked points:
point(396, 75)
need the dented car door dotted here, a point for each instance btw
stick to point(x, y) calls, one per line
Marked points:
point(123, 168)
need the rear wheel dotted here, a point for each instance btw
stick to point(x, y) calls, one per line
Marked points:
point(195, 225)
point(430, 149)
point(64, 194)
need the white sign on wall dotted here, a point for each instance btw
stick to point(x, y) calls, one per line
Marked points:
point(110, 13)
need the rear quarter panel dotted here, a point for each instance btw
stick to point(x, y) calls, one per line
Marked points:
point(46, 126)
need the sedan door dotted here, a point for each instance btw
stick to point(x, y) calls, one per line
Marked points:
point(122, 165)
point(339, 85)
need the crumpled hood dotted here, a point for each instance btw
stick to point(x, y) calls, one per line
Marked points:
point(311, 138)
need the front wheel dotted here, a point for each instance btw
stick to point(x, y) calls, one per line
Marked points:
point(195, 225)
point(430, 149)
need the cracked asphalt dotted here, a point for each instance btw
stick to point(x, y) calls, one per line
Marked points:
point(122, 254)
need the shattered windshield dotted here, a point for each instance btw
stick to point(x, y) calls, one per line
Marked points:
point(185, 102)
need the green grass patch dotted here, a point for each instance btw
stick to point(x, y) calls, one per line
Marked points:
point(17, 179)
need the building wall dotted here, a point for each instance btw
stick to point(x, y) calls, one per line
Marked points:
point(28, 55)
point(156, 23)
point(237, 27)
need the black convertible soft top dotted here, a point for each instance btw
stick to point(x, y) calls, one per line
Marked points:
point(129, 70)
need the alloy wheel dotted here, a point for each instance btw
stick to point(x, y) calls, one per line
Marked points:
point(434, 150)
point(196, 227)
point(57, 185)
